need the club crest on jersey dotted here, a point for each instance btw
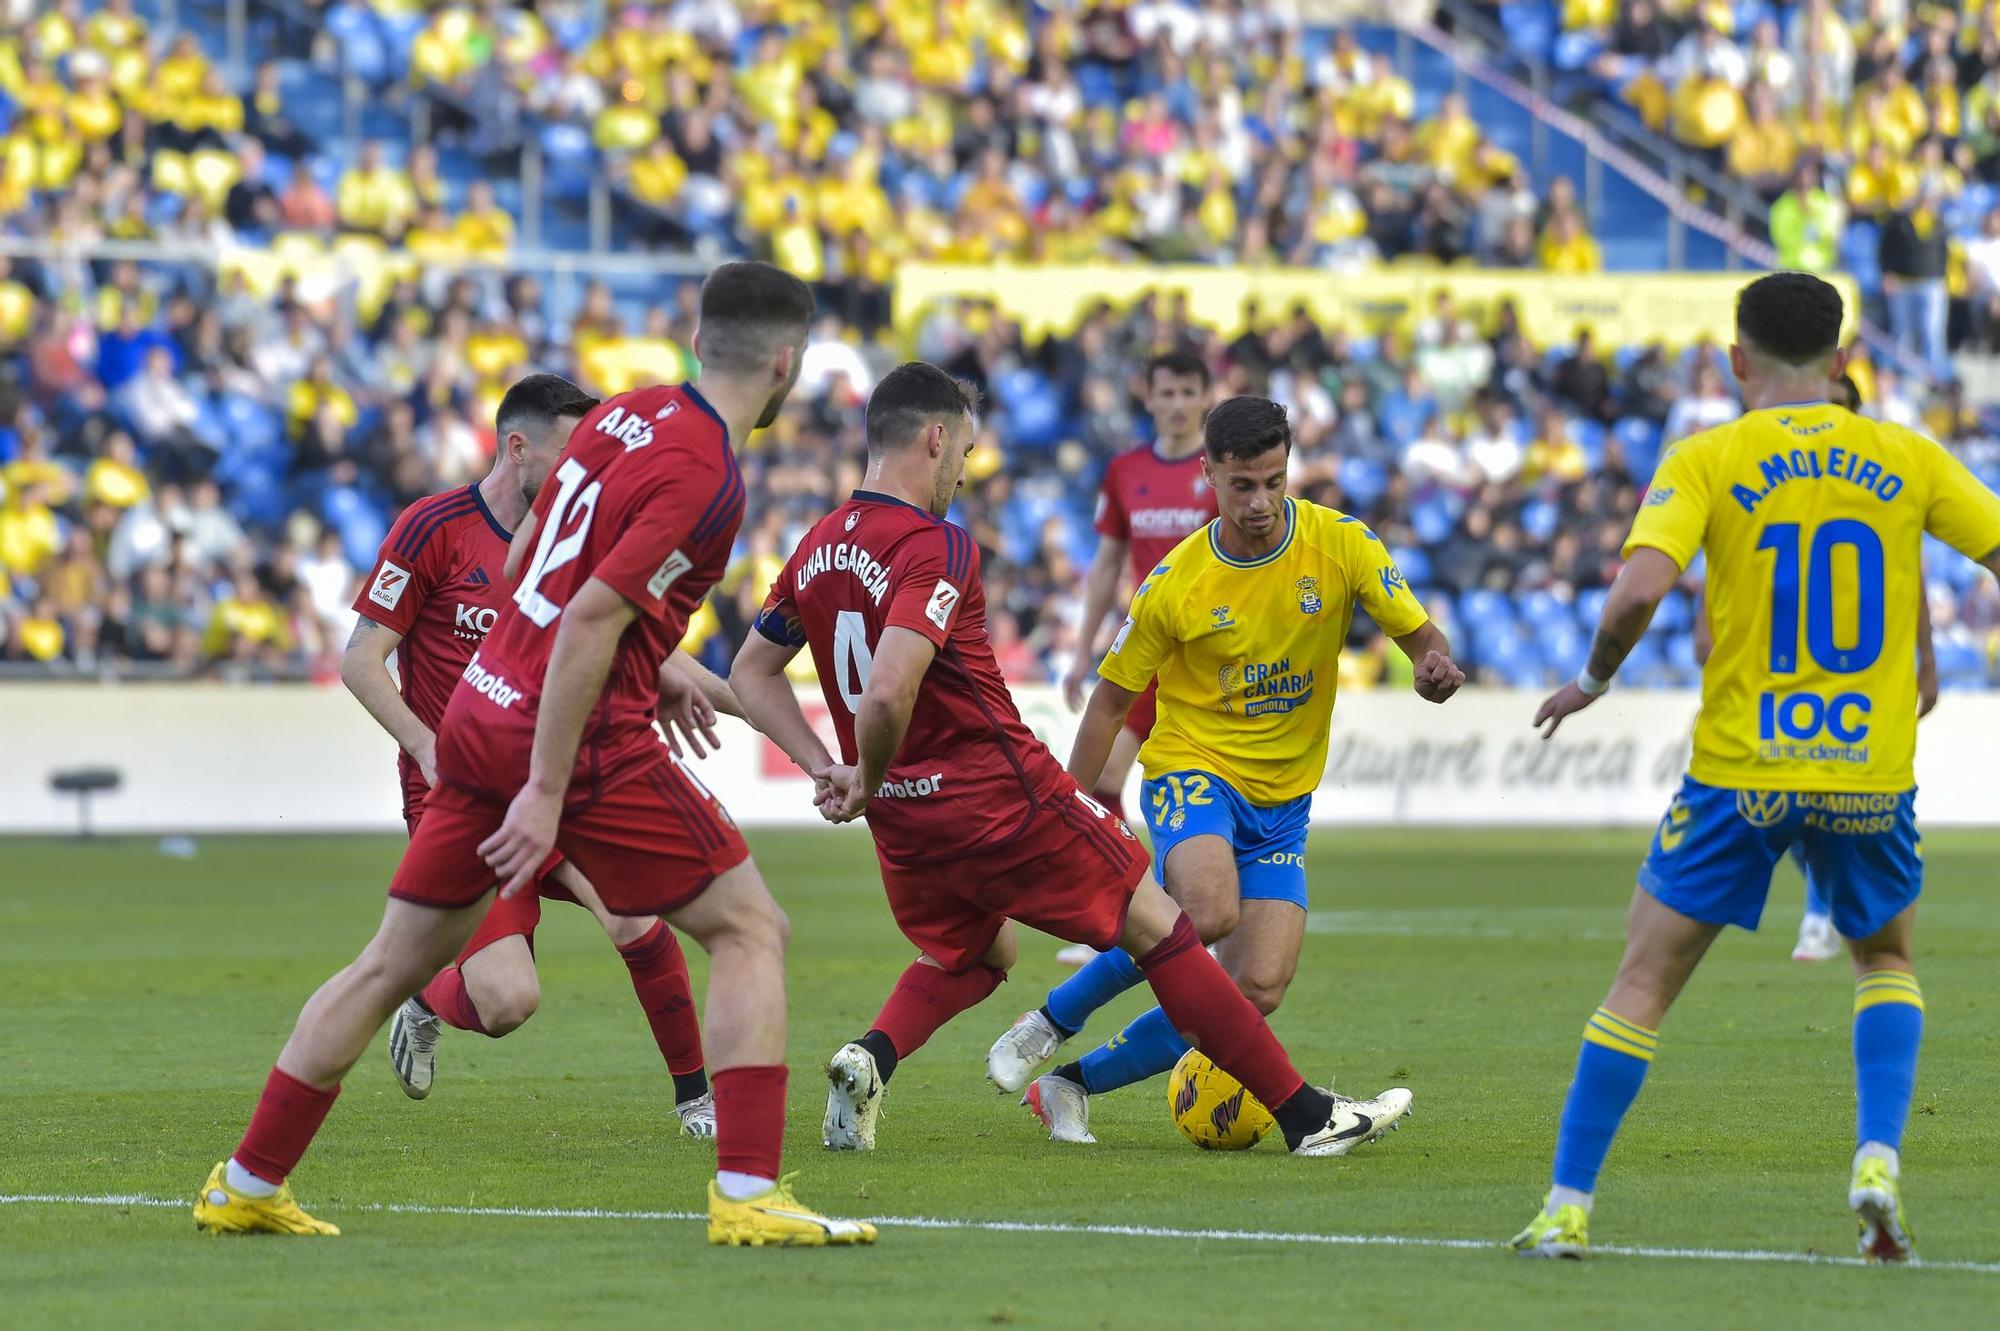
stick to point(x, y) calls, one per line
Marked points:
point(1308, 590)
point(1220, 614)
point(943, 597)
point(852, 518)
point(387, 589)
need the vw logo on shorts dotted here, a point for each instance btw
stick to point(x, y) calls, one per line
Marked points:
point(1763, 808)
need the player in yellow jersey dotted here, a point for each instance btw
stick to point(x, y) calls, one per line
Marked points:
point(1242, 623)
point(1812, 520)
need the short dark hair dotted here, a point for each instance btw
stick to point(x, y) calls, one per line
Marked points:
point(1846, 393)
point(910, 397)
point(538, 402)
point(747, 309)
point(1245, 427)
point(1791, 317)
point(1180, 362)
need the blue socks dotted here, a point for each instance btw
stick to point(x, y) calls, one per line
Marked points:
point(1609, 1071)
point(1102, 979)
point(1888, 1027)
point(1146, 1048)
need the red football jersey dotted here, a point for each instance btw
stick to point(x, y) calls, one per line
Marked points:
point(437, 581)
point(1153, 502)
point(647, 499)
point(970, 774)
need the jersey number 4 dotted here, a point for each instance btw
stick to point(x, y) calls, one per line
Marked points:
point(575, 502)
point(851, 657)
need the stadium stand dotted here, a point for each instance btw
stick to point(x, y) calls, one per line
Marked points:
point(340, 248)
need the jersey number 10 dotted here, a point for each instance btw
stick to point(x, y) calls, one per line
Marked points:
point(1822, 596)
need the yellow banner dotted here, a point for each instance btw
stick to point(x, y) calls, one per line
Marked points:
point(1621, 309)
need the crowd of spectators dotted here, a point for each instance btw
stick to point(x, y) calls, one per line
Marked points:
point(1871, 126)
point(196, 459)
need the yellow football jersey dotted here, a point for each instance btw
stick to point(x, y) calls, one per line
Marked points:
point(1813, 520)
point(1246, 653)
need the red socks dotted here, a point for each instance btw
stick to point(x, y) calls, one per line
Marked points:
point(925, 998)
point(749, 1120)
point(660, 979)
point(1204, 1003)
point(446, 996)
point(288, 1115)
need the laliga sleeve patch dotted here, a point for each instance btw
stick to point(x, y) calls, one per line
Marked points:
point(944, 597)
point(675, 565)
point(1124, 632)
point(391, 580)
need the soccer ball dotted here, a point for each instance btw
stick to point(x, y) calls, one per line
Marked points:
point(1212, 1109)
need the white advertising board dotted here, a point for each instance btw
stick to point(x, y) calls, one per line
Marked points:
point(210, 758)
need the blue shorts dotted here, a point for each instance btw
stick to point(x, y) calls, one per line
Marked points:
point(1713, 855)
point(1270, 843)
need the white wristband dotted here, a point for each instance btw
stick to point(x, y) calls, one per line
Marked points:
point(1590, 684)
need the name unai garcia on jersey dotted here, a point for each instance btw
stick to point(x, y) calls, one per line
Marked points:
point(847, 557)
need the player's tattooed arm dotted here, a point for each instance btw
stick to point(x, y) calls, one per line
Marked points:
point(364, 670)
point(1642, 584)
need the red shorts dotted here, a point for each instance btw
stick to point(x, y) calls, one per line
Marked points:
point(648, 845)
point(504, 918)
point(1071, 873)
point(1145, 711)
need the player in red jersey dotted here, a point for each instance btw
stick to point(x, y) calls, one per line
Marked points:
point(1152, 498)
point(434, 591)
point(548, 741)
point(975, 822)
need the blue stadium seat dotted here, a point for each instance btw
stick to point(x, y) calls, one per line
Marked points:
point(1540, 518)
point(1639, 440)
point(358, 37)
point(1432, 519)
point(1590, 606)
point(1414, 561)
point(1676, 612)
point(1362, 482)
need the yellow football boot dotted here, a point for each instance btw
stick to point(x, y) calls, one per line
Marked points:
point(222, 1210)
point(1876, 1198)
point(1564, 1234)
point(776, 1219)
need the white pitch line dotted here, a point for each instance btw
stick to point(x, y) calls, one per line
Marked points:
point(1766, 1255)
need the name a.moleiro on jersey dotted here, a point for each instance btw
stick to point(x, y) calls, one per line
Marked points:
point(1803, 464)
point(847, 558)
point(489, 685)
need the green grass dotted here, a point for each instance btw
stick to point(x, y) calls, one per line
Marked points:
point(144, 998)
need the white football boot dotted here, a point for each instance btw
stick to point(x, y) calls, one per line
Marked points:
point(1077, 954)
point(853, 1100)
point(413, 1037)
point(1818, 940)
point(698, 1116)
point(1062, 1106)
point(1356, 1121)
point(1030, 1042)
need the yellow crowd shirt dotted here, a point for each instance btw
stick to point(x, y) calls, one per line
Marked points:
point(1812, 519)
point(1247, 652)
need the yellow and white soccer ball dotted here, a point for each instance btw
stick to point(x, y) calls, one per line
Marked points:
point(1212, 1109)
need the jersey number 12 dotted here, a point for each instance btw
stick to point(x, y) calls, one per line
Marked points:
point(552, 553)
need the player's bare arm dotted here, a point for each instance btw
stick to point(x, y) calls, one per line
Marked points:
point(1642, 584)
point(757, 678)
point(364, 670)
point(686, 716)
point(1098, 731)
point(713, 687)
point(1927, 676)
point(586, 641)
point(1100, 591)
point(882, 719)
point(1437, 678)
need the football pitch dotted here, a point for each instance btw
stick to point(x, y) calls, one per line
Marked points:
point(145, 996)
